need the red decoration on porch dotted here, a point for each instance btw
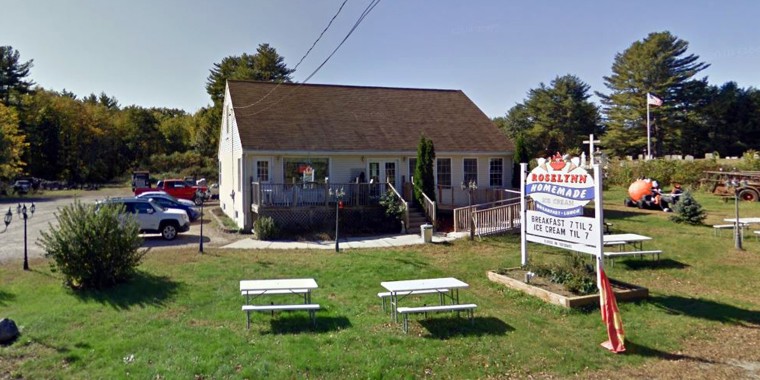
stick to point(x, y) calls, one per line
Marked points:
point(340, 204)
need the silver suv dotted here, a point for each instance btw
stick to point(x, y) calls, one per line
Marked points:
point(152, 218)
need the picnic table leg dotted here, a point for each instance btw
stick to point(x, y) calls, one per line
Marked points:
point(394, 306)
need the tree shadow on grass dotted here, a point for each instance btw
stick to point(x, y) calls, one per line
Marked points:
point(637, 264)
point(6, 297)
point(707, 309)
point(415, 263)
point(632, 348)
point(143, 290)
point(450, 327)
point(296, 324)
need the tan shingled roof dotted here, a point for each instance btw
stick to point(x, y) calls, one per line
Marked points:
point(332, 118)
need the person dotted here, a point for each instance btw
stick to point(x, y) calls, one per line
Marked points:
point(362, 178)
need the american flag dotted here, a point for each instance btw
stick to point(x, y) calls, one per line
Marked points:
point(653, 100)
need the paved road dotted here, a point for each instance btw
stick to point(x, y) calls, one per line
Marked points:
point(12, 239)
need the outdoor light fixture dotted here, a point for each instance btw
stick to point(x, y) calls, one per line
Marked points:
point(470, 187)
point(200, 241)
point(738, 233)
point(339, 193)
point(22, 211)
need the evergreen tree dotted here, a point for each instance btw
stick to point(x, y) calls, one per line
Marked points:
point(659, 65)
point(554, 118)
point(265, 65)
point(12, 74)
point(424, 181)
point(688, 210)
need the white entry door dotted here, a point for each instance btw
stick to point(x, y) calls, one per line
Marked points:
point(383, 171)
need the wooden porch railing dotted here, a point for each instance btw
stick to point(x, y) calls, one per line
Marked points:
point(491, 219)
point(428, 206)
point(403, 202)
point(281, 195)
point(447, 196)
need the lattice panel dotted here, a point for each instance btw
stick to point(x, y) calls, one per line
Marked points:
point(322, 219)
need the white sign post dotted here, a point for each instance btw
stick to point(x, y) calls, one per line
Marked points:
point(590, 142)
point(560, 190)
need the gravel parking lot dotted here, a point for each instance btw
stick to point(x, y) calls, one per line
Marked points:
point(12, 239)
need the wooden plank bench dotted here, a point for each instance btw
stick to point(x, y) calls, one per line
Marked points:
point(384, 295)
point(405, 311)
point(279, 291)
point(613, 255)
point(310, 307)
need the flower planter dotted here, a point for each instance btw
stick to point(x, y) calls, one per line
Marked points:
point(623, 291)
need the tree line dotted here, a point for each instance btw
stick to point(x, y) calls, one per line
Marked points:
point(57, 135)
point(695, 117)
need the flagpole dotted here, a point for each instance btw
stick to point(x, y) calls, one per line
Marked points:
point(649, 144)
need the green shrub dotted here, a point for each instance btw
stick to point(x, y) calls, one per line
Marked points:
point(93, 248)
point(265, 228)
point(666, 172)
point(392, 205)
point(688, 210)
point(575, 275)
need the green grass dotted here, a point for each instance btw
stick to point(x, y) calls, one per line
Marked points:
point(181, 317)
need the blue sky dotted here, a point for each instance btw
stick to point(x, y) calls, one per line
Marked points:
point(158, 53)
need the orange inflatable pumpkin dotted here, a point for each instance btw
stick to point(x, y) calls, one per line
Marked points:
point(639, 190)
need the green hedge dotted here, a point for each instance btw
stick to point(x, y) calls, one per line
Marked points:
point(667, 172)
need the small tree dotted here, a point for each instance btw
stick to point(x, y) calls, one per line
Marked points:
point(423, 172)
point(94, 248)
point(688, 210)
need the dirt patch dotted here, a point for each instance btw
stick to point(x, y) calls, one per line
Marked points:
point(732, 352)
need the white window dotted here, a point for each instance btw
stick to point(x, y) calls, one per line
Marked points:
point(262, 171)
point(496, 172)
point(443, 171)
point(240, 174)
point(470, 170)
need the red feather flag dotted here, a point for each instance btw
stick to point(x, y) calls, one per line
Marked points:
point(610, 315)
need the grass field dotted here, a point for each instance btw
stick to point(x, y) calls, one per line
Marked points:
point(181, 317)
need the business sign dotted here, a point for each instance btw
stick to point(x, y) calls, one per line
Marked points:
point(579, 229)
point(560, 188)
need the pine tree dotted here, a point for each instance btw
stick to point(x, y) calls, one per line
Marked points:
point(12, 74)
point(659, 65)
point(424, 180)
point(688, 210)
point(554, 118)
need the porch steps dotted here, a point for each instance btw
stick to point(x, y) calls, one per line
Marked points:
point(416, 219)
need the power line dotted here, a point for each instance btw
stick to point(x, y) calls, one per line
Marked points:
point(302, 58)
point(361, 18)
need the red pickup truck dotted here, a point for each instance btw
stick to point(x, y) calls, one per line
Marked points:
point(179, 189)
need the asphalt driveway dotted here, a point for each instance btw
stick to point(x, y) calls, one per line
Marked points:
point(12, 239)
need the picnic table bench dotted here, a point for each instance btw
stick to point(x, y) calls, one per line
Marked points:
point(442, 292)
point(259, 288)
point(405, 311)
point(612, 255)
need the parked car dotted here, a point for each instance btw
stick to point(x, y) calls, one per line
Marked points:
point(152, 217)
point(22, 186)
point(179, 189)
point(168, 201)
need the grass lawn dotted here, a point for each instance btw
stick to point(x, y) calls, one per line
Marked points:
point(181, 317)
